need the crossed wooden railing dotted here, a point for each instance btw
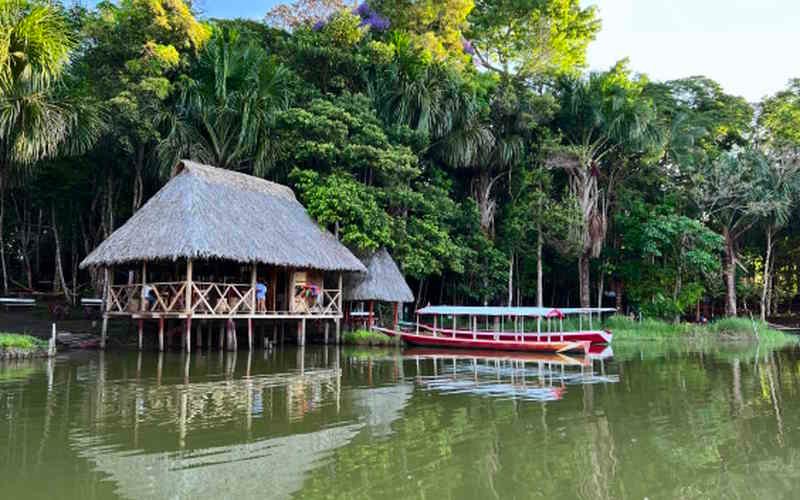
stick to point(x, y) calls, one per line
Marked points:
point(229, 299)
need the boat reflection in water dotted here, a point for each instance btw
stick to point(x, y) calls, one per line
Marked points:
point(524, 376)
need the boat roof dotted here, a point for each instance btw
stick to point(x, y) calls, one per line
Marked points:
point(536, 312)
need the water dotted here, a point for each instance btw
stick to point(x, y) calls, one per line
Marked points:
point(652, 422)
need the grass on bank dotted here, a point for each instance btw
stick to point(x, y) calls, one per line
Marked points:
point(18, 341)
point(732, 329)
point(368, 337)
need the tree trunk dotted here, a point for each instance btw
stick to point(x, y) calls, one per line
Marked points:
point(600, 286)
point(59, 271)
point(539, 271)
point(2, 229)
point(583, 279)
point(511, 280)
point(138, 182)
point(767, 275)
point(729, 273)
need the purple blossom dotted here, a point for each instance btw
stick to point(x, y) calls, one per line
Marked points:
point(376, 22)
point(319, 25)
point(371, 18)
point(363, 10)
point(467, 47)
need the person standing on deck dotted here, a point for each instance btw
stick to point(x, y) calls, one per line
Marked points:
point(148, 297)
point(261, 297)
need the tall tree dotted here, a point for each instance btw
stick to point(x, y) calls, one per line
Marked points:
point(34, 122)
point(226, 108)
point(606, 123)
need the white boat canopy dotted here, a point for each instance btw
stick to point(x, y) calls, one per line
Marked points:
point(532, 312)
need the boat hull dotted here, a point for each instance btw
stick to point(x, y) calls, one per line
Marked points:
point(557, 346)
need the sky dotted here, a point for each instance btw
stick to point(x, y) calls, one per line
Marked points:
point(748, 46)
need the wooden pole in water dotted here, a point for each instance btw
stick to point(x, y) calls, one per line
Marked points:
point(198, 337)
point(188, 341)
point(338, 331)
point(327, 330)
point(160, 333)
point(250, 334)
point(396, 319)
point(141, 328)
point(107, 278)
point(222, 335)
point(301, 332)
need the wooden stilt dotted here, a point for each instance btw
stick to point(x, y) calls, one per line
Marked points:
point(250, 333)
point(371, 312)
point(208, 336)
point(396, 318)
point(141, 332)
point(160, 334)
point(106, 303)
point(338, 334)
point(198, 337)
point(188, 341)
point(275, 333)
point(301, 332)
point(327, 329)
point(222, 335)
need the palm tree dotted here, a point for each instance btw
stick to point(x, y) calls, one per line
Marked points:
point(225, 112)
point(605, 123)
point(34, 122)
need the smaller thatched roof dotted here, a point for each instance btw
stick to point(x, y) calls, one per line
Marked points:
point(205, 212)
point(383, 281)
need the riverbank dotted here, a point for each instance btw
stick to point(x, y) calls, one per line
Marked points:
point(16, 346)
point(365, 337)
point(725, 329)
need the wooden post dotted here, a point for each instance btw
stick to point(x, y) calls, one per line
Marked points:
point(161, 334)
point(188, 342)
point(275, 333)
point(208, 336)
point(222, 335)
point(198, 337)
point(107, 278)
point(301, 332)
point(435, 316)
point(327, 329)
point(369, 321)
point(189, 286)
point(141, 328)
point(338, 325)
point(250, 334)
point(396, 319)
point(253, 278)
point(339, 300)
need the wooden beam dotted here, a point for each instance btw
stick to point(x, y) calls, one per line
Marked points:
point(341, 293)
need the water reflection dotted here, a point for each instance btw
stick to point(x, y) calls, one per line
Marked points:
point(527, 376)
point(652, 422)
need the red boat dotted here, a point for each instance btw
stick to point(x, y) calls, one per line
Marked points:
point(495, 335)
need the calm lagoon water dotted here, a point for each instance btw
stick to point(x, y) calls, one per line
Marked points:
point(649, 422)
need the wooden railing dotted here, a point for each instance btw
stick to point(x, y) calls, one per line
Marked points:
point(223, 298)
point(209, 298)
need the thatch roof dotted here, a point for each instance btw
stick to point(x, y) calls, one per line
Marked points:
point(382, 282)
point(206, 212)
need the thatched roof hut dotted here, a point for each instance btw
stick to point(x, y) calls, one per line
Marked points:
point(383, 281)
point(205, 212)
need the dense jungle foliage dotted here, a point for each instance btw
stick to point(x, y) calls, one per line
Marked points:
point(466, 136)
